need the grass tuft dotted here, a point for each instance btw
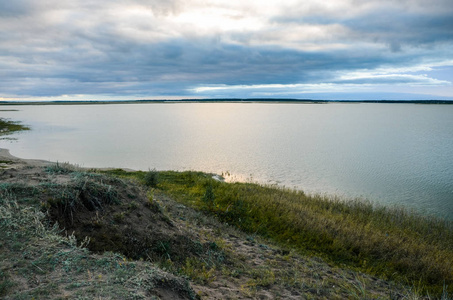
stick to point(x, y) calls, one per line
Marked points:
point(61, 168)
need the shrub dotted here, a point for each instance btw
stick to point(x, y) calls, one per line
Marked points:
point(208, 197)
point(152, 178)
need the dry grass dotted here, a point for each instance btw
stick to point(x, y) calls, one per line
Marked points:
point(40, 261)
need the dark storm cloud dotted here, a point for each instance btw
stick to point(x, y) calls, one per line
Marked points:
point(141, 48)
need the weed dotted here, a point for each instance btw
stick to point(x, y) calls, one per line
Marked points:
point(83, 192)
point(60, 168)
point(444, 295)
point(151, 178)
point(118, 217)
point(5, 283)
point(262, 277)
point(209, 197)
point(163, 248)
point(198, 271)
point(17, 190)
point(357, 288)
point(5, 163)
point(132, 205)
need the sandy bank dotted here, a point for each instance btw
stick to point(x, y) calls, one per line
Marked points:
point(8, 161)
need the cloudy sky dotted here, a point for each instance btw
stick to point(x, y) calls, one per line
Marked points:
point(154, 49)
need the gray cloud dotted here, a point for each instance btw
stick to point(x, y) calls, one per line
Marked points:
point(136, 48)
point(410, 23)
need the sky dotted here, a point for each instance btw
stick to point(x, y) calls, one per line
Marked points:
point(183, 49)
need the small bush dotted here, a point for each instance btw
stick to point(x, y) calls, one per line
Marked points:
point(152, 178)
point(209, 197)
point(60, 168)
point(5, 283)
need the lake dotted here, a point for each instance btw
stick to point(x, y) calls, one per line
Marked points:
point(395, 154)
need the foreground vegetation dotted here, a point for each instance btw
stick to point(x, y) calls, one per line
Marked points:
point(39, 261)
point(391, 243)
point(71, 234)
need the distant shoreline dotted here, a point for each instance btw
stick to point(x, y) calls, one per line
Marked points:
point(234, 100)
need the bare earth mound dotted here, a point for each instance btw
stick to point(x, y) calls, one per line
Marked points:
point(107, 214)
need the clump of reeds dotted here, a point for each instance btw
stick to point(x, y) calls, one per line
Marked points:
point(8, 126)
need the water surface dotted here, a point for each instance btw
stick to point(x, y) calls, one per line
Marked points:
point(390, 153)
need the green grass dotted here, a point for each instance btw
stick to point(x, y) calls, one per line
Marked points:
point(391, 243)
point(7, 127)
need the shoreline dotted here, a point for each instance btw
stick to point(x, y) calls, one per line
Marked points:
point(239, 101)
point(345, 235)
point(9, 161)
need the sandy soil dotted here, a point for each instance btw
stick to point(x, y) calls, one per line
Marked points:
point(8, 161)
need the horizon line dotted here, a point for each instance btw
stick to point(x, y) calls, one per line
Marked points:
point(213, 100)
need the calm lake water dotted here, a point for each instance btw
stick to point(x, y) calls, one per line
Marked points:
point(390, 153)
